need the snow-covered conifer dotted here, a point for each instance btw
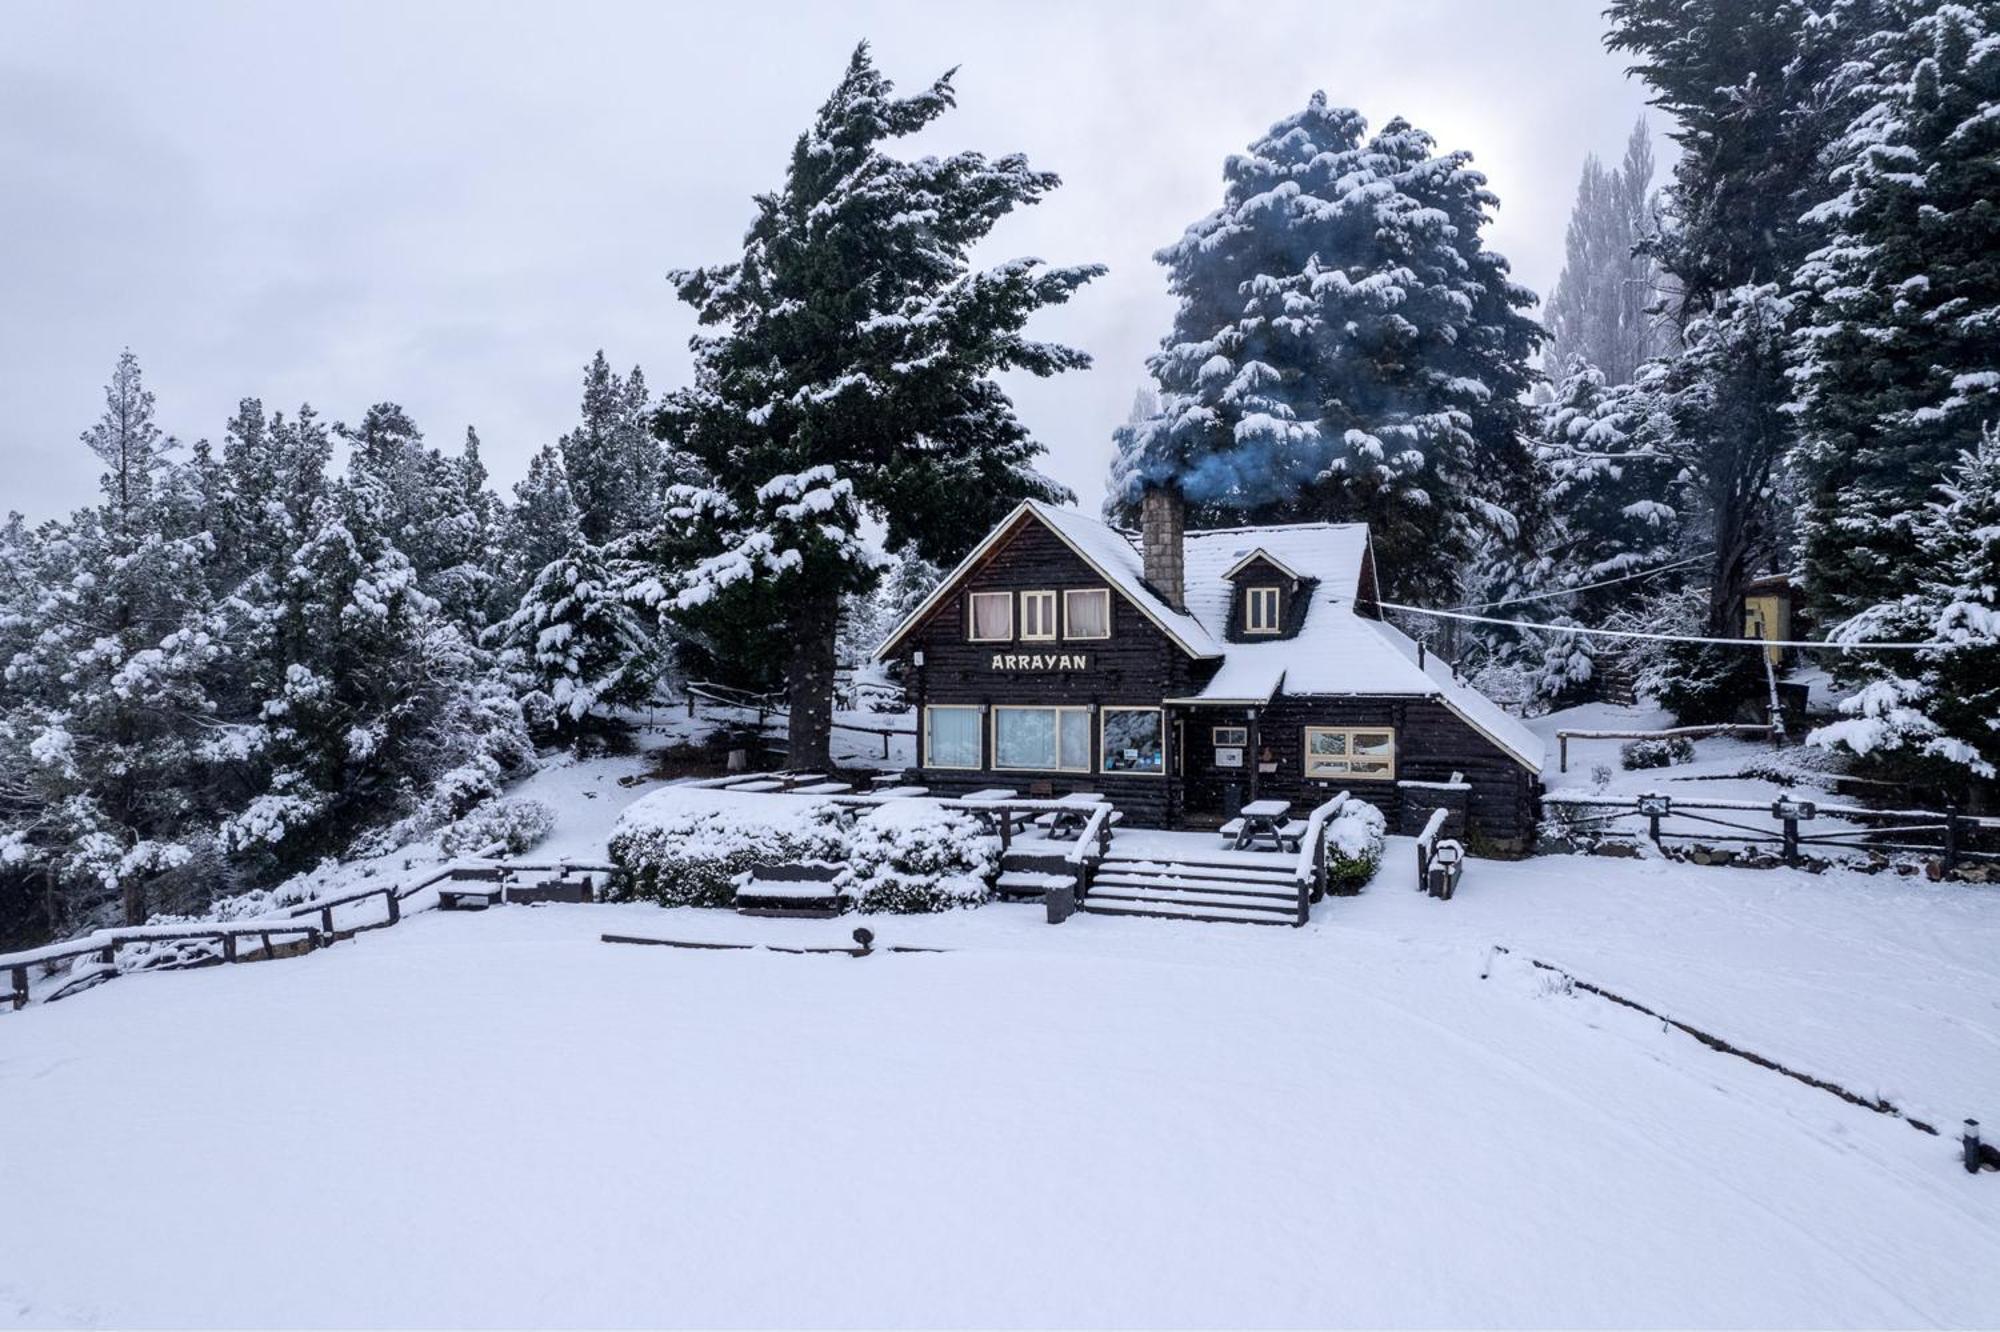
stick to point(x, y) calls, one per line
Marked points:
point(1346, 347)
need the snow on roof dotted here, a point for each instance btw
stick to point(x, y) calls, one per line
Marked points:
point(1112, 553)
point(1102, 547)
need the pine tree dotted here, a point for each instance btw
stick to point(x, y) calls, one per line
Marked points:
point(576, 647)
point(1602, 308)
point(111, 694)
point(851, 380)
point(1898, 358)
point(542, 525)
point(1937, 712)
point(1754, 91)
point(1346, 348)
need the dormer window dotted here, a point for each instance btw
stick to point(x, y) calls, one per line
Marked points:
point(1260, 610)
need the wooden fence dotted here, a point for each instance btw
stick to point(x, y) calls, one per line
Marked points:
point(1957, 836)
point(286, 922)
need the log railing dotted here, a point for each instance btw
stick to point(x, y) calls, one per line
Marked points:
point(1309, 872)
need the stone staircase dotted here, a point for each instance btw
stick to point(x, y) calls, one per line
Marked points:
point(1212, 890)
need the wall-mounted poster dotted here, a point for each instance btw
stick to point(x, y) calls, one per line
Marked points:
point(1229, 756)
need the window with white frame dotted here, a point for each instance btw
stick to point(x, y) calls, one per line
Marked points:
point(991, 617)
point(1038, 616)
point(1087, 612)
point(1041, 739)
point(951, 737)
point(1134, 740)
point(1231, 735)
point(1260, 610)
point(1365, 755)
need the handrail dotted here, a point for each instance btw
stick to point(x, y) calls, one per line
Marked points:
point(1096, 831)
point(1309, 871)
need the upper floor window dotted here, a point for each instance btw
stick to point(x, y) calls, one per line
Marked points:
point(1260, 610)
point(992, 617)
point(1038, 615)
point(1087, 612)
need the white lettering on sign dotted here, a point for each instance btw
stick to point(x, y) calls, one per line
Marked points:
point(1041, 661)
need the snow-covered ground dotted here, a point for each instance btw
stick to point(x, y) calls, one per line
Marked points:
point(497, 1119)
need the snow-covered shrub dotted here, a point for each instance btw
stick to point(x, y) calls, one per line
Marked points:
point(684, 846)
point(1663, 753)
point(1354, 846)
point(917, 855)
point(514, 825)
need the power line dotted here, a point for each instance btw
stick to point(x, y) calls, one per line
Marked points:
point(1666, 638)
point(1585, 587)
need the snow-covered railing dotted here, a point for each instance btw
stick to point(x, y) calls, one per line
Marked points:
point(769, 708)
point(1309, 871)
point(1953, 830)
point(1440, 859)
point(281, 922)
point(104, 944)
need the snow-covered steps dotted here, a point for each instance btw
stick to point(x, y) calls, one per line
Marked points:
point(1026, 883)
point(1218, 890)
point(1109, 894)
point(1193, 889)
point(1183, 911)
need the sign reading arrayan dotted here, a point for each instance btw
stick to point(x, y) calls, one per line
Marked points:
point(1041, 661)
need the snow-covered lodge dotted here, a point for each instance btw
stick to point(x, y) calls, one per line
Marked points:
point(1196, 671)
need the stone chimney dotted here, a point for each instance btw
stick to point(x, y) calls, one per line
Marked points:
point(1162, 526)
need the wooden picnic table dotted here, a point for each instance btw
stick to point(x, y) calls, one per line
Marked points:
point(1063, 824)
point(1262, 820)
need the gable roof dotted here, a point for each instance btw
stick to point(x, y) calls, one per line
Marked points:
point(1106, 550)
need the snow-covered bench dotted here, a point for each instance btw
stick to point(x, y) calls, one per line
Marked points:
point(804, 888)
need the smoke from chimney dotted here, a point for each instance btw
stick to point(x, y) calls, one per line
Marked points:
point(1162, 527)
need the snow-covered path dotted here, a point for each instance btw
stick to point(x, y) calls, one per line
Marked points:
point(495, 1119)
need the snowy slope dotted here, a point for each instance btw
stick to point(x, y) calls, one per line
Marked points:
point(496, 1119)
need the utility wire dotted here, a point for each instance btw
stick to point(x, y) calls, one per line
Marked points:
point(1667, 638)
point(1585, 587)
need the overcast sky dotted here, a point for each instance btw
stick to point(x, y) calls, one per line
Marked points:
point(451, 206)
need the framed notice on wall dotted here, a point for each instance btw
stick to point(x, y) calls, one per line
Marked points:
point(1229, 756)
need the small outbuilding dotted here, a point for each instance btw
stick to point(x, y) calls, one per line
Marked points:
point(1190, 673)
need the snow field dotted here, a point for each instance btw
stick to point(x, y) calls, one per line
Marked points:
point(495, 1119)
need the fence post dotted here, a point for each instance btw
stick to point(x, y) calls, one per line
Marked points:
point(1562, 747)
point(1950, 838)
point(1970, 1142)
point(395, 906)
point(20, 979)
point(1791, 841)
point(228, 947)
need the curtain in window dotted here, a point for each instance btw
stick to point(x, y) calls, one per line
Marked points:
point(1089, 614)
point(953, 741)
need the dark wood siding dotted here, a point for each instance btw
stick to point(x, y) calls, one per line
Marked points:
point(1138, 666)
point(1432, 742)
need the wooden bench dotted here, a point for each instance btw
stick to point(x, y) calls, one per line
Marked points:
point(803, 888)
point(473, 897)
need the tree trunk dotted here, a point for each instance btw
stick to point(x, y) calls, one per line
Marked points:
point(809, 682)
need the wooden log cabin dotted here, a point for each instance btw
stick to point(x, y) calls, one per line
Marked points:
point(1197, 671)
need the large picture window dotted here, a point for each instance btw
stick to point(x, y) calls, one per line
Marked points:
point(1042, 739)
point(1134, 740)
point(1087, 612)
point(1260, 610)
point(1038, 616)
point(951, 738)
point(992, 617)
point(1359, 754)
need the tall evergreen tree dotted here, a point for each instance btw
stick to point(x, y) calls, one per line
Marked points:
point(851, 381)
point(542, 524)
point(1752, 89)
point(617, 470)
point(1602, 309)
point(577, 647)
point(1346, 347)
point(1898, 358)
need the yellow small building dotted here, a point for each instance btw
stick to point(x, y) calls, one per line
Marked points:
point(1767, 612)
